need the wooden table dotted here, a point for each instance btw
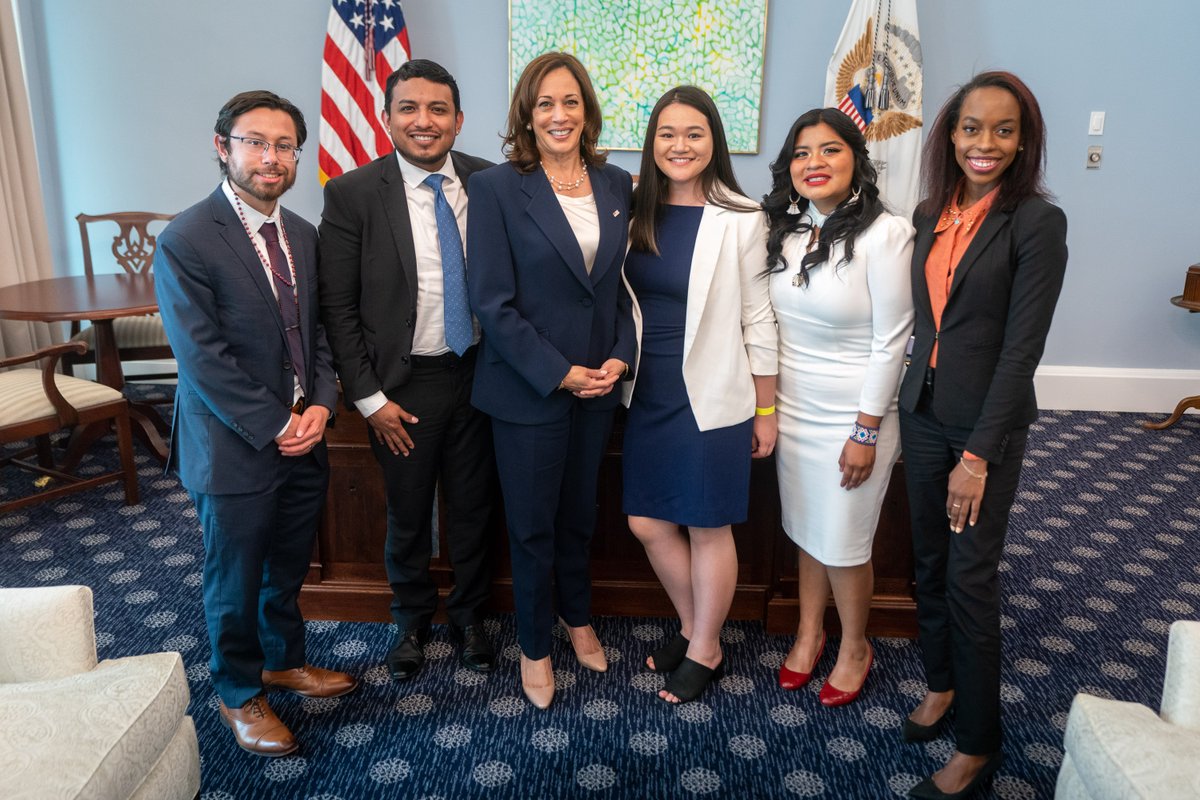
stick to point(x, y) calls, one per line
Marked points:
point(1187, 402)
point(99, 299)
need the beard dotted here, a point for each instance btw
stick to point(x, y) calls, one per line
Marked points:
point(243, 178)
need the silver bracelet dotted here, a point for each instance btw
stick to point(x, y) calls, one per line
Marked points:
point(864, 434)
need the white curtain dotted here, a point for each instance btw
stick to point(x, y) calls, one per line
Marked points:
point(24, 242)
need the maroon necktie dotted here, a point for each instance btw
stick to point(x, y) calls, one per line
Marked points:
point(289, 307)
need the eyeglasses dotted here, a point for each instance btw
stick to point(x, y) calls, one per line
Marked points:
point(285, 151)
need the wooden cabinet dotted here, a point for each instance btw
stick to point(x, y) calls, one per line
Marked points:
point(346, 580)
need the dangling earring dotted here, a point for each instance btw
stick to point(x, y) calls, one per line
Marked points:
point(792, 208)
point(854, 195)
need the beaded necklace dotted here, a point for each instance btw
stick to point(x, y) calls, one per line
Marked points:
point(266, 262)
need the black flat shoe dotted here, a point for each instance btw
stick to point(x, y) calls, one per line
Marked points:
point(928, 790)
point(916, 732)
point(406, 657)
point(477, 653)
point(670, 655)
point(689, 680)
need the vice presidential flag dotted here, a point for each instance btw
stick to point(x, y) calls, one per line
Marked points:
point(875, 77)
point(365, 42)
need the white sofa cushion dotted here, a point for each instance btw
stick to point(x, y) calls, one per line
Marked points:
point(1122, 750)
point(46, 633)
point(92, 735)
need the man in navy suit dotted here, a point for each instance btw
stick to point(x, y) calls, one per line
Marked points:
point(391, 263)
point(235, 276)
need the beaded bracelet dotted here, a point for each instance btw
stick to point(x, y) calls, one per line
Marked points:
point(864, 434)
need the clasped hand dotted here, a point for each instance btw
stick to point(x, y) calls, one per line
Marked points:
point(584, 382)
point(303, 431)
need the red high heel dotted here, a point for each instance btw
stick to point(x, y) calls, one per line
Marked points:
point(833, 696)
point(792, 680)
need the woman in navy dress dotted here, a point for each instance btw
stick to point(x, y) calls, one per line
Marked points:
point(701, 403)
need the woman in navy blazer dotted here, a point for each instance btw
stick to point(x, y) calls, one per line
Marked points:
point(545, 241)
point(988, 264)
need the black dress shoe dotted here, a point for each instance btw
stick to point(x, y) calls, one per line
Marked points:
point(928, 790)
point(406, 656)
point(477, 653)
point(916, 732)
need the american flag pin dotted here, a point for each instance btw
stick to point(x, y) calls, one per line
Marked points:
point(616, 213)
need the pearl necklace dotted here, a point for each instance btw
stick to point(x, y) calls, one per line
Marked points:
point(563, 186)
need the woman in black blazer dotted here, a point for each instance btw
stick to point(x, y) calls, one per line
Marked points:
point(988, 265)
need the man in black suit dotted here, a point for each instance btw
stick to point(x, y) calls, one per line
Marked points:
point(393, 300)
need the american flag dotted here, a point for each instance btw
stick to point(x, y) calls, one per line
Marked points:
point(365, 42)
point(852, 105)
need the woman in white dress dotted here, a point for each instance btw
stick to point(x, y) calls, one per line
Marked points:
point(841, 292)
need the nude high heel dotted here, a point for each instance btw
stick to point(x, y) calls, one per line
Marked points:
point(537, 679)
point(587, 647)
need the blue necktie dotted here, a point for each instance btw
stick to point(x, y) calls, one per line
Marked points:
point(456, 310)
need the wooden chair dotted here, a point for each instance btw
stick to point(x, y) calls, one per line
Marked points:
point(38, 403)
point(138, 338)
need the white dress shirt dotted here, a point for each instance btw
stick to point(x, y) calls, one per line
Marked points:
point(429, 333)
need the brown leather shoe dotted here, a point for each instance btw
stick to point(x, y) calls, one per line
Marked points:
point(257, 730)
point(310, 681)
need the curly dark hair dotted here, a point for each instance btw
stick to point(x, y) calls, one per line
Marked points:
point(848, 220)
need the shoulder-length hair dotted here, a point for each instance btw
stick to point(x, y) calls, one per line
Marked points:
point(852, 216)
point(520, 144)
point(940, 173)
point(718, 182)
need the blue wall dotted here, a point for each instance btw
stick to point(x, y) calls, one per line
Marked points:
point(126, 92)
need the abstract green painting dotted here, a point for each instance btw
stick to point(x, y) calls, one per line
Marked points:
point(636, 50)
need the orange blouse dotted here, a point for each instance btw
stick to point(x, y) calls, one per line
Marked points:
point(952, 235)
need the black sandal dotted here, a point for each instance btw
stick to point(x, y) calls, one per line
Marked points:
point(670, 655)
point(690, 680)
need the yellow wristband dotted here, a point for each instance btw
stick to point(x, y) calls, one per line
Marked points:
point(764, 412)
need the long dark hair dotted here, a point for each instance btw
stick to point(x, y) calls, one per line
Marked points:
point(1023, 179)
point(717, 180)
point(848, 220)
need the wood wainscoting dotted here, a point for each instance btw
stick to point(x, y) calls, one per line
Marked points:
point(346, 580)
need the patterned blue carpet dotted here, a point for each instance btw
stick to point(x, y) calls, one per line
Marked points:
point(1103, 554)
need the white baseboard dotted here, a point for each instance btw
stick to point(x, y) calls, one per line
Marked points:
point(1155, 391)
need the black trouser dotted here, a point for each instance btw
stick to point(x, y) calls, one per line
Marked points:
point(958, 583)
point(452, 445)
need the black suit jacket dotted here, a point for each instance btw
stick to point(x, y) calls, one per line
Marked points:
point(368, 274)
point(994, 325)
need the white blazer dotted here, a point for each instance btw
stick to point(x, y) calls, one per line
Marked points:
point(729, 333)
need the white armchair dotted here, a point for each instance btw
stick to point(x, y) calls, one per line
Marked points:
point(1124, 750)
point(74, 728)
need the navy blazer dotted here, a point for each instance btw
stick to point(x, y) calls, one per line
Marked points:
point(235, 374)
point(540, 310)
point(994, 325)
point(368, 274)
